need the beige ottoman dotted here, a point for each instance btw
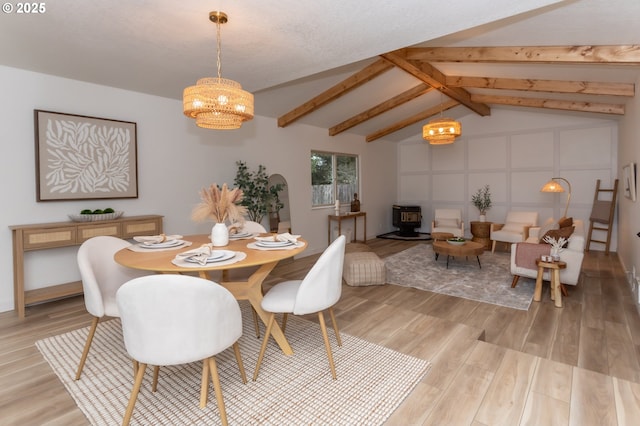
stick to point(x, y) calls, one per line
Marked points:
point(363, 268)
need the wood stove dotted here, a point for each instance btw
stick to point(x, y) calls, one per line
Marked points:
point(406, 219)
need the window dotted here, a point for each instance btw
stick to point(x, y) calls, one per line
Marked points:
point(333, 177)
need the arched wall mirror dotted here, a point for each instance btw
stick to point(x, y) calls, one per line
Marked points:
point(280, 214)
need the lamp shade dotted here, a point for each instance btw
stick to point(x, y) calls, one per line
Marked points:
point(552, 186)
point(217, 103)
point(441, 131)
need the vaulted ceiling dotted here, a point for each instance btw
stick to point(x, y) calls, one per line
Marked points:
point(359, 58)
point(419, 63)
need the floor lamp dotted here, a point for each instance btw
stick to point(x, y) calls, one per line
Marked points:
point(553, 186)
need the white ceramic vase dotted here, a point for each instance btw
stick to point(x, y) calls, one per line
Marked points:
point(219, 235)
point(483, 218)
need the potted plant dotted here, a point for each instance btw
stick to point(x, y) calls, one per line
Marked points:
point(482, 200)
point(258, 197)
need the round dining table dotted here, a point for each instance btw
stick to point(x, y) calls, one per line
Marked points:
point(160, 261)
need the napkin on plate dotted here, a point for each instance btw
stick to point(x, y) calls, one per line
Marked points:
point(286, 237)
point(156, 239)
point(200, 255)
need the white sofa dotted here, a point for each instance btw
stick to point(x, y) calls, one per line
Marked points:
point(572, 255)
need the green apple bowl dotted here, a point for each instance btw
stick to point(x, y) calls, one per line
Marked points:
point(456, 241)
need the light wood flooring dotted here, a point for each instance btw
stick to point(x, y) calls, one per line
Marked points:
point(576, 365)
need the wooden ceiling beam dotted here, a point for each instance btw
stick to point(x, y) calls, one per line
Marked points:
point(385, 106)
point(623, 54)
point(552, 86)
point(427, 73)
point(358, 79)
point(552, 104)
point(412, 120)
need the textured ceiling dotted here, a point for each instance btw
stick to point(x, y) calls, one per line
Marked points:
point(287, 51)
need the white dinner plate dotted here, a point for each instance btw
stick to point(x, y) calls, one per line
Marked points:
point(241, 235)
point(164, 244)
point(216, 256)
point(274, 243)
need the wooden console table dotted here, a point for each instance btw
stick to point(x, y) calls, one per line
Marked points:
point(354, 216)
point(42, 236)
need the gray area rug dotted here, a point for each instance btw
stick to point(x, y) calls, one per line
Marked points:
point(416, 267)
point(291, 390)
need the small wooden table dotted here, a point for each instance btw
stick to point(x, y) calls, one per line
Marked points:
point(481, 232)
point(340, 218)
point(469, 248)
point(554, 272)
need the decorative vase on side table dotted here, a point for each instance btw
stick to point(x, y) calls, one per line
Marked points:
point(481, 232)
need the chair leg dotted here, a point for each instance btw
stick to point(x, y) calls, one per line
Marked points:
point(154, 385)
point(134, 394)
point(204, 383)
point(256, 323)
point(335, 326)
point(284, 322)
point(565, 293)
point(327, 345)
point(236, 351)
point(514, 283)
point(213, 369)
point(267, 333)
point(87, 346)
point(493, 246)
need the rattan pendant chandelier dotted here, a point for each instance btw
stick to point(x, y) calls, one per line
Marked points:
point(441, 131)
point(216, 102)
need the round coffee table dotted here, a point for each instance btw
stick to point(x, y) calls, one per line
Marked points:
point(469, 248)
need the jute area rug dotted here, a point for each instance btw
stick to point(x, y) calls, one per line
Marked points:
point(416, 267)
point(292, 390)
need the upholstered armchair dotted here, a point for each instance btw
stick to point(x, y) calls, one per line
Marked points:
point(448, 220)
point(515, 228)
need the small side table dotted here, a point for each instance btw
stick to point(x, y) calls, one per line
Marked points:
point(350, 215)
point(554, 272)
point(481, 232)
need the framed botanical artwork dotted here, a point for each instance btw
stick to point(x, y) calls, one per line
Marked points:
point(80, 157)
point(629, 181)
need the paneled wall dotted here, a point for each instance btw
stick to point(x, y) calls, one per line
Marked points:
point(514, 162)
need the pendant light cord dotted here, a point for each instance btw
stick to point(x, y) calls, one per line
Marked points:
point(219, 49)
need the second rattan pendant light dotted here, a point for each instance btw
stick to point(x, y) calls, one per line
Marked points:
point(441, 131)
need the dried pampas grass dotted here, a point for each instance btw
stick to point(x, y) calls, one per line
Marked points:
point(220, 205)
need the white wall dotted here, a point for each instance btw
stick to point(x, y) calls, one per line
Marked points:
point(175, 160)
point(515, 153)
point(629, 211)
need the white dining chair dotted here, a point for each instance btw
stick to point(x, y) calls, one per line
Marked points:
point(253, 227)
point(320, 289)
point(101, 278)
point(179, 319)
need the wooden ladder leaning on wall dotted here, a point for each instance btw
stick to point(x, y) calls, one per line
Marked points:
point(601, 218)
